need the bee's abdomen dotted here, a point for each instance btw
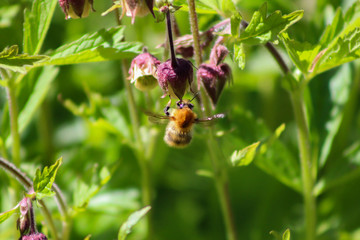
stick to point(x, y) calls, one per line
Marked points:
point(175, 138)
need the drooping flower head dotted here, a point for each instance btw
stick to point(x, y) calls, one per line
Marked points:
point(76, 8)
point(143, 71)
point(175, 80)
point(215, 74)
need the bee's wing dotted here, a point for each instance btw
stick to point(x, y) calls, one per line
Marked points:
point(209, 121)
point(157, 118)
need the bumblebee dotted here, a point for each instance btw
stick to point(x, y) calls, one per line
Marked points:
point(180, 122)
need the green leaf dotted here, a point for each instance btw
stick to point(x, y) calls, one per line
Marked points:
point(7, 15)
point(103, 45)
point(340, 87)
point(11, 60)
point(262, 29)
point(301, 53)
point(239, 55)
point(201, 8)
point(37, 96)
point(343, 49)
point(84, 192)
point(43, 180)
point(36, 24)
point(223, 7)
point(244, 156)
point(332, 30)
point(134, 218)
point(286, 235)
point(117, 120)
point(7, 214)
point(235, 21)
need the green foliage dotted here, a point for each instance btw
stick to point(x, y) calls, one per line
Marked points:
point(134, 218)
point(5, 215)
point(104, 45)
point(244, 156)
point(7, 14)
point(36, 24)
point(44, 180)
point(285, 236)
point(10, 59)
point(263, 28)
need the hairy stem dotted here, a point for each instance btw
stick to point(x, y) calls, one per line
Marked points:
point(216, 156)
point(307, 166)
point(174, 62)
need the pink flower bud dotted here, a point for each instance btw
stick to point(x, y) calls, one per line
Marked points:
point(137, 8)
point(213, 78)
point(174, 81)
point(218, 54)
point(76, 8)
point(34, 236)
point(143, 70)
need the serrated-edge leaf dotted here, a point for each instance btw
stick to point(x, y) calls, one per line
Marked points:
point(301, 53)
point(244, 156)
point(235, 21)
point(134, 218)
point(37, 96)
point(343, 49)
point(332, 30)
point(262, 29)
point(11, 60)
point(103, 45)
point(5, 215)
point(43, 180)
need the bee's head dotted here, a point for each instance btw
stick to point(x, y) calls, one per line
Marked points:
point(184, 104)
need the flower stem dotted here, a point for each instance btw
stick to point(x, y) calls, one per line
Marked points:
point(13, 111)
point(216, 156)
point(174, 62)
point(307, 166)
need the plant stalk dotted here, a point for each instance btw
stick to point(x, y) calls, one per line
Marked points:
point(307, 165)
point(13, 111)
point(174, 62)
point(216, 156)
point(144, 163)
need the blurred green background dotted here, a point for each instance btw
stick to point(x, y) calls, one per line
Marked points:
point(185, 204)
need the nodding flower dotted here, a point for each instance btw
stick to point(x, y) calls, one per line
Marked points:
point(76, 8)
point(215, 74)
point(143, 71)
point(175, 80)
point(137, 8)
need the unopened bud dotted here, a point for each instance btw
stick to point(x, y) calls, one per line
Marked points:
point(174, 81)
point(218, 54)
point(76, 8)
point(213, 78)
point(143, 70)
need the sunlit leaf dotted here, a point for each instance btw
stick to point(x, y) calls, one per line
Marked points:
point(103, 45)
point(11, 60)
point(36, 24)
point(301, 53)
point(244, 156)
point(235, 21)
point(263, 28)
point(7, 214)
point(239, 55)
point(286, 235)
point(134, 218)
point(44, 179)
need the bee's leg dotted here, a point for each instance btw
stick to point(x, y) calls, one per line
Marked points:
point(167, 107)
